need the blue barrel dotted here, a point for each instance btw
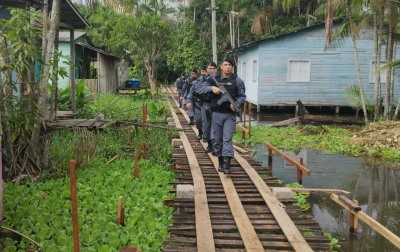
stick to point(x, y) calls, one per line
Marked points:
point(133, 83)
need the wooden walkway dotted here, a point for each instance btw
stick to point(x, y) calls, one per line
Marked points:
point(236, 212)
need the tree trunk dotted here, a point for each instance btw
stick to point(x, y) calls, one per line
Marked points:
point(4, 93)
point(151, 74)
point(353, 37)
point(54, 86)
point(393, 17)
point(378, 45)
point(43, 105)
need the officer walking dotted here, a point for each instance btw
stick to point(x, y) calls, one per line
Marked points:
point(185, 91)
point(179, 85)
point(206, 107)
point(195, 102)
point(223, 115)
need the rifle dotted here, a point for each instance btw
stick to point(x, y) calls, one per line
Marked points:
point(226, 97)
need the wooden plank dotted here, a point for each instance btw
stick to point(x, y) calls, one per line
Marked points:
point(370, 222)
point(247, 232)
point(286, 224)
point(319, 190)
point(204, 232)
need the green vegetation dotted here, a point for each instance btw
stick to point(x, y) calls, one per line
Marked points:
point(330, 139)
point(301, 197)
point(334, 242)
point(41, 209)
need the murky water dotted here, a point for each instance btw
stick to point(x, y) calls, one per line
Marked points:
point(373, 184)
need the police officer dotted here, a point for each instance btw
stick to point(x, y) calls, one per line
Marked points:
point(185, 91)
point(179, 85)
point(206, 107)
point(223, 115)
point(195, 102)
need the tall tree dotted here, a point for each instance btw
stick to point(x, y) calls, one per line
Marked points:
point(146, 38)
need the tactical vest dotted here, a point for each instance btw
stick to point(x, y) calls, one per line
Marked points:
point(190, 83)
point(230, 85)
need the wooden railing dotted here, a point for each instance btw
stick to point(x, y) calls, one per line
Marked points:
point(246, 129)
point(299, 165)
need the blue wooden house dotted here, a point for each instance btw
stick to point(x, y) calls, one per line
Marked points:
point(281, 70)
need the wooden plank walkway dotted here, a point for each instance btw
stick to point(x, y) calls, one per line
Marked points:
point(237, 212)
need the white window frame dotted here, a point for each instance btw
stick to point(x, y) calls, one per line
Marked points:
point(372, 71)
point(306, 76)
point(244, 71)
point(255, 70)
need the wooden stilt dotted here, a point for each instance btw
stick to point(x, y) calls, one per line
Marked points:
point(300, 173)
point(353, 220)
point(120, 212)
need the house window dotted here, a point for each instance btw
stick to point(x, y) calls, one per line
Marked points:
point(372, 72)
point(299, 71)
point(244, 71)
point(255, 70)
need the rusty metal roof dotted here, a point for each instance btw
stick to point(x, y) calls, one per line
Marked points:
point(70, 16)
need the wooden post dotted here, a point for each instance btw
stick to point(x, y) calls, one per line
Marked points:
point(121, 209)
point(72, 69)
point(300, 173)
point(269, 158)
point(249, 113)
point(143, 150)
point(244, 120)
point(136, 165)
point(353, 220)
point(74, 203)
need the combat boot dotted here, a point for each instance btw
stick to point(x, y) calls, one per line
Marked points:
point(200, 136)
point(221, 164)
point(209, 146)
point(191, 122)
point(227, 165)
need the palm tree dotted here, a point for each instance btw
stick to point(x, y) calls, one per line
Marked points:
point(350, 9)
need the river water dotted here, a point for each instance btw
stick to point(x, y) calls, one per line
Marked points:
point(374, 184)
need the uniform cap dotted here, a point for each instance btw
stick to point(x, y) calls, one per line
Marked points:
point(229, 60)
point(212, 63)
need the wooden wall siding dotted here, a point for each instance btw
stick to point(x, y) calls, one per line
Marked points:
point(92, 84)
point(247, 75)
point(107, 71)
point(332, 71)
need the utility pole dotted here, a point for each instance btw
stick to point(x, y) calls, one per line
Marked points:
point(214, 31)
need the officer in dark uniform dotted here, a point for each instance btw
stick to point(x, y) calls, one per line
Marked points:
point(223, 115)
point(185, 91)
point(195, 102)
point(206, 107)
point(179, 85)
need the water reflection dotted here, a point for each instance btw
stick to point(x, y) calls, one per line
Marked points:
point(372, 183)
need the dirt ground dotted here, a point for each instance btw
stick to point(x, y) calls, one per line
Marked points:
point(379, 135)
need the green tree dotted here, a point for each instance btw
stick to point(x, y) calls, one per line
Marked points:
point(189, 50)
point(146, 38)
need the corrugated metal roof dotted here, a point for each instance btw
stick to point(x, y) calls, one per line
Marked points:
point(70, 16)
point(23, 4)
point(255, 43)
point(96, 49)
point(64, 35)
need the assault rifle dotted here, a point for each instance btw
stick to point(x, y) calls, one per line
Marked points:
point(226, 97)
